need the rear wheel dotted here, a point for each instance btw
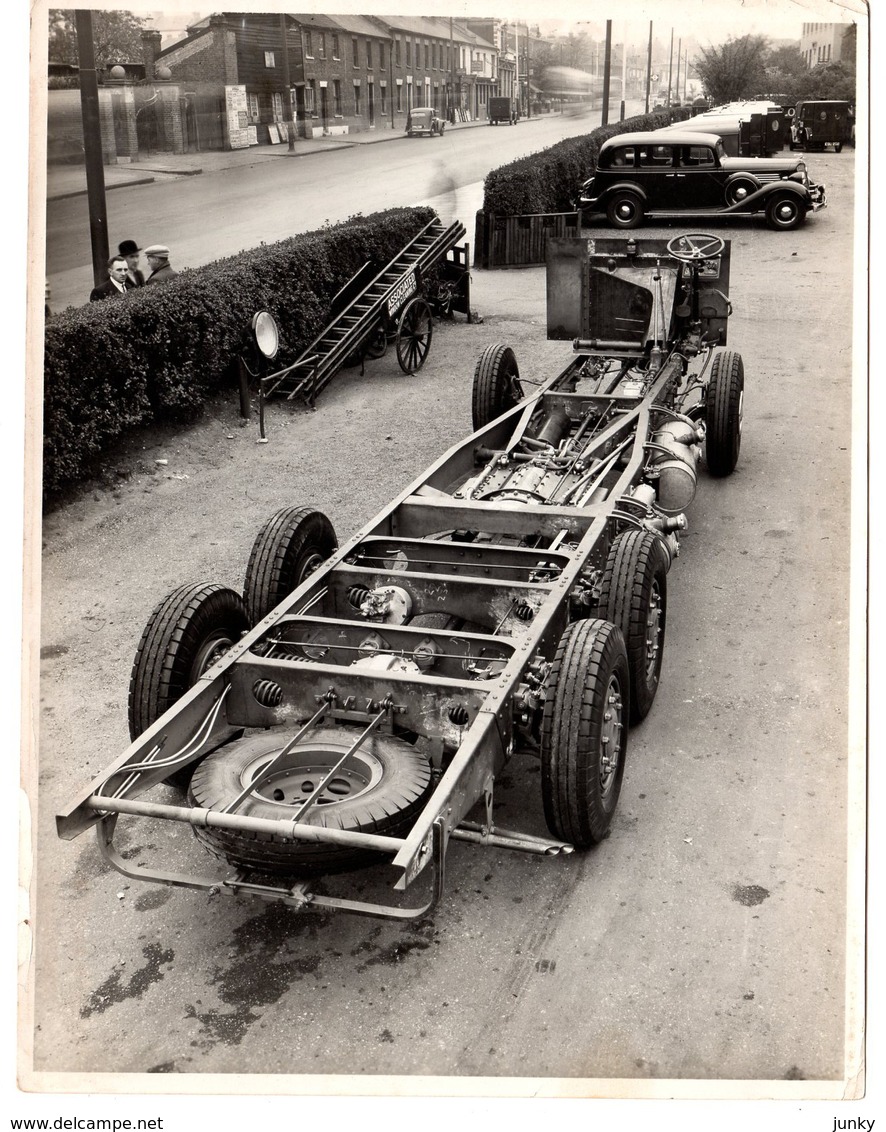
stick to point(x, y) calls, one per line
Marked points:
point(289, 547)
point(784, 213)
point(379, 788)
point(497, 385)
point(187, 632)
point(634, 595)
point(724, 407)
point(739, 190)
point(584, 733)
point(414, 331)
point(625, 210)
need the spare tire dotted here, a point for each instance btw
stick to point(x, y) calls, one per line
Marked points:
point(380, 788)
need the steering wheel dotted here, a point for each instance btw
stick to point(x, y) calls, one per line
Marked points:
point(696, 246)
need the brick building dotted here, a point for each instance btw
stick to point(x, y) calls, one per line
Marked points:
point(822, 43)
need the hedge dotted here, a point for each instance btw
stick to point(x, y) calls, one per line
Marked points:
point(157, 354)
point(547, 181)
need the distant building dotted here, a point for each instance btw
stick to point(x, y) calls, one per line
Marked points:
point(822, 43)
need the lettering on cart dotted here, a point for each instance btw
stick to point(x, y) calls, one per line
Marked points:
point(404, 290)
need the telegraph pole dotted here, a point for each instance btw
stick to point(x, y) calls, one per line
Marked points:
point(287, 93)
point(648, 66)
point(679, 57)
point(92, 146)
point(670, 69)
point(607, 70)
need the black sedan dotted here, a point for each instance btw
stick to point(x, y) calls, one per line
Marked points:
point(678, 172)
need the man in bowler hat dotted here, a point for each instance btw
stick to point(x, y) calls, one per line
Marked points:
point(158, 260)
point(115, 283)
point(130, 251)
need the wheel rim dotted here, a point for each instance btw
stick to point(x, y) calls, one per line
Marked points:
point(312, 560)
point(785, 212)
point(212, 649)
point(296, 777)
point(739, 192)
point(654, 627)
point(414, 337)
point(625, 211)
point(610, 739)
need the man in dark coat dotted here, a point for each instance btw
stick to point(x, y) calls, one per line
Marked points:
point(116, 281)
point(158, 260)
point(130, 251)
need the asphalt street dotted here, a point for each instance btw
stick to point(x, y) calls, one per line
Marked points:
point(713, 938)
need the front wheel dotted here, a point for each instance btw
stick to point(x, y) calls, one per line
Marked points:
point(497, 385)
point(784, 213)
point(187, 632)
point(634, 596)
point(584, 735)
point(288, 548)
point(625, 210)
point(724, 408)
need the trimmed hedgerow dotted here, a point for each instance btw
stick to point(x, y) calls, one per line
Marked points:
point(547, 181)
point(161, 351)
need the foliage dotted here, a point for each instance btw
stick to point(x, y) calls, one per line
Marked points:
point(547, 181)
point(828, 80)
point(159, 352)
point(733, 70)
point(116, 37)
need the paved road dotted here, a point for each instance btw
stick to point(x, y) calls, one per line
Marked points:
point(216, 214)
point(705, 939)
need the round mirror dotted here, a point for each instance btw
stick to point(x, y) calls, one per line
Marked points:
point(264, 330)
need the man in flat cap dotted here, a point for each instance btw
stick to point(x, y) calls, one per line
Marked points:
point(158, 260)
point(130, 251)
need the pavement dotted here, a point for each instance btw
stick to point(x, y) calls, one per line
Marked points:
point(70, 180)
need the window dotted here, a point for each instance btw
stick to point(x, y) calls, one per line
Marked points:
point(321, 45)
point(311, 98)
point(355, 52)
point(397, 52)
point(357, 107)
point(336, 94)
point(384, 100)
point(698, 156)
point(369, 54)
point(309, 45)
point(277, 106)
point(269, 59)
point(335, 48)
point(252, 107)
point(381, 56)
point(656, 157)
point(408, 52)
point(399, 97)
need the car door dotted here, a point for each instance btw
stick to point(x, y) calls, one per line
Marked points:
point(700, 180)
point(657, 173)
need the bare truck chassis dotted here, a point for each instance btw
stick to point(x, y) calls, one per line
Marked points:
point(356, 703)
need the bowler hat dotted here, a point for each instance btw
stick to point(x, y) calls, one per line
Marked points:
point(128, 247)
point(158, 250)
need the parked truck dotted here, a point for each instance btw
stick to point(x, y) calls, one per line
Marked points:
point(503, 110)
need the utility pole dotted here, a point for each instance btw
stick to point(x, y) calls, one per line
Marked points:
point(287, 92)
point(528, 88)
point(607, 72)
point(648, 66)
point(670, 69)
point(451, 69)
point(679, 57)
point(92, 146)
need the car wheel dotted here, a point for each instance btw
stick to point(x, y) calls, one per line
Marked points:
point(185, 635)
point(584, 734)
point(634, 596)
point(784, 213)
point(625, 210)
point(739, 190)
point(724, 407)
point(379, 788)
point(838, 147)
point(288, 548)
point(497, 385)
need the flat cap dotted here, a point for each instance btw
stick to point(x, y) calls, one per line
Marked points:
point(158, 250)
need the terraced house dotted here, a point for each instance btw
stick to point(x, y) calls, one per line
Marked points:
point(240, 77)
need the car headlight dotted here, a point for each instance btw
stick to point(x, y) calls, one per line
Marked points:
point(264, 331)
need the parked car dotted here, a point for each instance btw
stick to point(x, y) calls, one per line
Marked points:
point(424, 121)
point(656, 174)
point(817, 124)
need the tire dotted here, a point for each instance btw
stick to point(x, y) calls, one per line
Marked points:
point(739, 189)
point(185, 634)
point(724, 403)
point(625, 210)
point(785, 212)
point(497, 385)
point(634, 596)
point(838, 147)
point(381, 789)
point(289, 547)
point(587, 702)
point(415, 329)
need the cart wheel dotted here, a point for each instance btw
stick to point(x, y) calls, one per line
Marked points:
point(724, 408)
point(380, 788)
point(584, 735)
point(289, 547)
point(497, 385)
point(634, 596)
point(376, 344)
point(185, 635)
point(414, 330)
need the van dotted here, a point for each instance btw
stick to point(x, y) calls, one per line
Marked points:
point(816, 124)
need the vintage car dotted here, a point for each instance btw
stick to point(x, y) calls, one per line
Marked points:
point(820, 123)
point(357, 704)
point(424, 121)
point(658, 174)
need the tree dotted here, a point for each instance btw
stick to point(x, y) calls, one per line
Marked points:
point(829, 80)
point(116, 37)
point(786, 75)
point(734, 70)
